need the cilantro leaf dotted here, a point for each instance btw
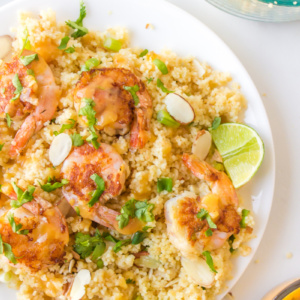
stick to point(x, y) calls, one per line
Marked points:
point(77, 210)
point(138, 237)
point(50, 187)
point(77, 139)
point(143, 53)
point(204, 214)
point(8, 253)
point(70, 50)
point(127, 212)
point(86, 245)
point(130, 281)
point(30, 72)
point(1, 146)
point(66, 126)
point(63, 43)
point(16, 228)
point(26, 42)
point(93, 139)
point(120, 244)
point(88, 111)
point(17, 84)
point(149, 79)
point(80, 30)
point(132, 90)
point(144, 211)
point(230, 242)
point(216, 123)
point(22, 196)
point(160, 85)
point(99, 190)
point(26, 60)
point(209, 260)
point(1, 245)
point(164, 184)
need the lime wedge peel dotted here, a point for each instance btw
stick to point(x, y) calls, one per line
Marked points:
point(242, 151)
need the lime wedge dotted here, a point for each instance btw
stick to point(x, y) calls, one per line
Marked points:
point(242, 151)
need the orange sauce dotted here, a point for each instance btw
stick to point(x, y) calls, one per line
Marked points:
point(295, 295)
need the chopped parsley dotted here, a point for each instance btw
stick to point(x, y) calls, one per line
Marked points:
point(160, 85)
point(99, 190)
point(216, 123)
point(209, 261)
point(6, 249)
point(132, 90)
point(245, 213)
point(17, 84)
point(22, 196)
point(86, 245)
point(65, 126)
point(143, 53)
point(53, 185)
point(16, 228)
point(77, 139)
point(164, 184)
point(90, 63)
point(26, 60)
point(133, 208)
point(161, 66)
point(77, 25)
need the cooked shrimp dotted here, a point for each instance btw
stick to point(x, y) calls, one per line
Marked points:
point(37, 101)
point(78, 168)
point(186, 231)
point(116, 111)
point(48, 233)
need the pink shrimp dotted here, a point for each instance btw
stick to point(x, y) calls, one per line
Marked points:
point(116, 111)
point(36, 102)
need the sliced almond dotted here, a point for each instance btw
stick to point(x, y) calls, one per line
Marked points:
point(5, 47)
point(199, 68)
point(199, 271)
point(202, 144)
point(82, 278)
point(60, 149)
point(179, 108)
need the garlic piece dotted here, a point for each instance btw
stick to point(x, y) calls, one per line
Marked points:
point(199, 68)
point(82, 278)
point(179, 108)
point(60, 149)
point(5, 47)
point(202, 144)
point(198, 270)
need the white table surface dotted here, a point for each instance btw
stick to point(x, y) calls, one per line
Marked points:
point(270, 52)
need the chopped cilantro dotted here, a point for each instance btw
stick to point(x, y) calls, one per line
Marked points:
point(143, 53)
point(65, 126)
point(208, 232)
point(26, 60)
point(164, 184)
point(99, 190)
point(1, 146)
point(230, 242)
point(120, 244)
point(216, 123)
point(130, 281)
point(53, 185)
point(138, 237)
point(17, 84)
point(90, 63)
point(30, 72)
point(144, 211)
point(16, 228)
point(63, 43)
point(204, 214)
point(77, 210)
point(26, 42)
point(77, 139)
point(127, 212)
point(70, 50)
point(149, 79)
point(161, 66)
point(6, 249)
point(22, 196)
point(80, 30)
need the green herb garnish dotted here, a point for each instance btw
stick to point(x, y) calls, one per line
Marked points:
point(130, 281)
point(204, 214)
point(22, 196)
point(149, 79)
point(80, 30)
point(230, 242)
point(90, 63)
point(132, 90)
point(77, 139)
point(127, 212)
point(1, 146)
point(16, 228)
point(112, 44)
point(143, 53)
point(120, 244)
point(26, 42)
point(164, 184)
point(161, 66)
point(53, 185)
point(138, 237)
point(30, 72)
point(65, 126)
point(245, 213)
point(208, 232)
point(17, 84)
point(164, 118)
point(216, 123)
point(70, 50)
point(77, 210)
point(160, 85)
point(6, 249)
point(99, 190)
point(26, 60)
point(209, 260)
point(144, 211)
point(63, 43)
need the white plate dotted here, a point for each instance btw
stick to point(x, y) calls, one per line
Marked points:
point(184, 34)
